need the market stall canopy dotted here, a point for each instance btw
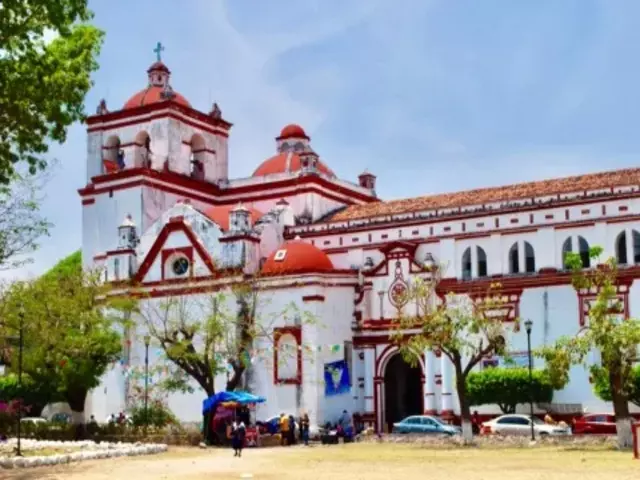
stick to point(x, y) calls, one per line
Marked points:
point(240, 398)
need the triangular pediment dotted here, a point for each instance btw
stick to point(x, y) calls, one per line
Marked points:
point(177, 252)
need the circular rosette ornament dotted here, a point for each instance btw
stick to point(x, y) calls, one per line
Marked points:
point(398, 293)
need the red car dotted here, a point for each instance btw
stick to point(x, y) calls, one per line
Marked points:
point(596, 423)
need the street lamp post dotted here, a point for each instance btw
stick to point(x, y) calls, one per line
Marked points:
point(528, 325)
point(20, 400)
point(147, 341)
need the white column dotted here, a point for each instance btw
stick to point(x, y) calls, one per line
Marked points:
point(446, 369)
point(369, 372)
point(429, 383)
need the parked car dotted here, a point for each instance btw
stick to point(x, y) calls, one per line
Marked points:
point(595, 423)
point(424, 424)
point(521, 425)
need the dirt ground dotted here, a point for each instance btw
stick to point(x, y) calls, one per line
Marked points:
point(353, 462)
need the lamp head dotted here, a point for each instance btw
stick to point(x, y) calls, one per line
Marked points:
point(147, 340)
point(528, 325)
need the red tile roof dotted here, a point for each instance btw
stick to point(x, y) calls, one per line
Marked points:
point(519, 191)
point(220, 215)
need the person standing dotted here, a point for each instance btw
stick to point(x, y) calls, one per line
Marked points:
point(284, 429)
point(238, 438)
point(304, 429)
point(292, 430)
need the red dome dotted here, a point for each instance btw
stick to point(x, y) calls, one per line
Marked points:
point(151, 95)
point(220, 215)
point(292, 131)
point(296, 256)
point(278, 164)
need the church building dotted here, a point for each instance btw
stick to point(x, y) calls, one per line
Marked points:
point(160, 212)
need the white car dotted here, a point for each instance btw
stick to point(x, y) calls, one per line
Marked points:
point(521, 425)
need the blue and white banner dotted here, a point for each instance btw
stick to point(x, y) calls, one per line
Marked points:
point(336, 378)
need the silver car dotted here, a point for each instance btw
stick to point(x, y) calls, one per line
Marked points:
point(521, 425)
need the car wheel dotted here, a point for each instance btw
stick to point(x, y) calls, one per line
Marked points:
point(543, 434)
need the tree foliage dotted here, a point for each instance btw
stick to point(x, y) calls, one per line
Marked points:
point(508, 387)
point(33, 395)
point(68, 327)
point(21, 224)
point(602, 387)
point(614, 338)
point(463, 330)
point(48, 53)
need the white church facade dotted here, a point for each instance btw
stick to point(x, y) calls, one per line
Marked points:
point(160, 211)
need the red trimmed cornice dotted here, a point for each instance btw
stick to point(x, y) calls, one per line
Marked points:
point(514, 284)
point(264, 190)
point(95, 122)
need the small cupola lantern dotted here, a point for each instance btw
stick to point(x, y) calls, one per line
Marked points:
point(127, 235)
point(367, 180)
point(239, 219)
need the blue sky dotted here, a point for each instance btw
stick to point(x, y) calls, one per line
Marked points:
point(430, 95)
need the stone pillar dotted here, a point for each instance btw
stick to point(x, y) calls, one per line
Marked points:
point(429, 383)
point(446, 368)
point(369, 373)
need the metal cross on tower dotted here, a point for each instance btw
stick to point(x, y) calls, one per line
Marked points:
point(158, 50)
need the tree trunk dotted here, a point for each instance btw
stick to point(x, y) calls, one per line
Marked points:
point(208, 435)
point(621, 410)
point(465, 409)
point(76, 401)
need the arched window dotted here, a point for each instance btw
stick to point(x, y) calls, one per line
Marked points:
point(143, 154)
point(621, 248)
point(112, 155)
point(582, 250)
point(529, 259)
point(467, 263)
point(514, 261)
point(198, 152)
point(482, 262)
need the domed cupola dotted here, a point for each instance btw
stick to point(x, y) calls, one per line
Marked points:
point(297, 257)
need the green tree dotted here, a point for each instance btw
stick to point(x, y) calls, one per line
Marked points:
point(69, 330)
point(464, 331)
point(508, 387)
point(48, 55)
point(33, 395)
point(602, 387)
point(616, 339)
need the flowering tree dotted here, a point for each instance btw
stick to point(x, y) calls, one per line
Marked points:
point(615, 338)
point(463, 330)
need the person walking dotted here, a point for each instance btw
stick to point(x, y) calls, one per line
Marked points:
point(304, 429)
point(237, 438)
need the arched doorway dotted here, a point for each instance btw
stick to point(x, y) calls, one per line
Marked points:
point(402, 390)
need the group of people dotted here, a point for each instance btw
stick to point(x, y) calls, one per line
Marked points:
point(287, 424)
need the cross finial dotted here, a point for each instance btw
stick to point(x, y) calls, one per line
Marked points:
point(158, 50)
